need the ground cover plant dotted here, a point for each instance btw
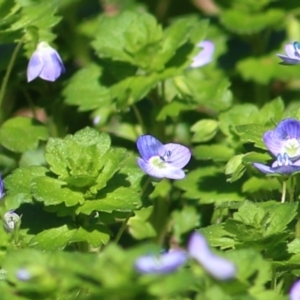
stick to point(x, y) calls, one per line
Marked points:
point(149, 149)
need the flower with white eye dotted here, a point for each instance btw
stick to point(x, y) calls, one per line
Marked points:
point(162, 161)
point(45, 63)
point(292, 56)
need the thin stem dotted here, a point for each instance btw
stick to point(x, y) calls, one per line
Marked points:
point(9, 69)
point(291, 188)
point(30, 104)
point(124, 224)
point(138, 117)
point(283, 191)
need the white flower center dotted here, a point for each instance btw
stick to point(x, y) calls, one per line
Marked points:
point(158, 161)
point(292, 147)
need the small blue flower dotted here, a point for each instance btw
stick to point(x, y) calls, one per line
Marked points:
point(283, 166)
point(218, 267)
point(205, 55)
point(293, 54)
point(284, 143)
point(165, 263)
point(295, 291)
point(45, 63)
point(162, 161)
point(1, 188)
point(285, 138)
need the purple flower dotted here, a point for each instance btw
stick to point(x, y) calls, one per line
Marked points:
point(1, 188)
point(295, 291)
point(293, 54)
point(162, 161)
point(165, 263)
point(284, 143)
point(45, 63)
point(283, 165)
point(205, 55)
point(285, 138)
point(218, 267)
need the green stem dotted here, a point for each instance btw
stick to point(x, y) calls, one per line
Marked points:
point(124, 224)
point(283, 191)
point(291, 189)
point(9, 69)
point(138, 117)
point(30, 104)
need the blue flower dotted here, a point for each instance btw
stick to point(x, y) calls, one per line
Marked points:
point(45, 63)
point(165, 263)
point(162, 161)
point(23, 275)
point(1, 188)
point(205, 55)
point(293, 54)
point(284, 143)
point(295, 291)
point(283, 166)
point(218, 267)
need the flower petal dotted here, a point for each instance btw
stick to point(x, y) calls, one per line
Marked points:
point(34, 67)
point(292, 50)
point(263, 168)
point(180, 155)
point(205, 55)
point(285, 130)
point(149, 146)
point(166, 263)
point(167, 172)
point(295, 291)
point(287, 60)
point(219, 267)
point(53, 67)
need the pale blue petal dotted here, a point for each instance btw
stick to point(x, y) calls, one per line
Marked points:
point(150, 169)
point(149, 146)
point(53, 67)
point(23, 274)
point(263, 168)
point(205, 55)
point(167, 172)
point(165, 263)
point(274, 142)
point(287, 60)
point(292, 50)
point(34, 67)
point(218, 267)
point(295, 291)
point(179, 155)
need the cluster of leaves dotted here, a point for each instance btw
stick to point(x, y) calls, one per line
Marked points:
point(73, 177)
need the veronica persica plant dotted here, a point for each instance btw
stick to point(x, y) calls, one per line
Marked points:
point(45, 63)
point(218, 267)
point(292, 56)
point(10, 220)
point(284, 143)
point(165, 263)
point(205, 55)
point(162, 161)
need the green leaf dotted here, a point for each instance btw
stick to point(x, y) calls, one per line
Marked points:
point(85, 90)
point(235, 168)
point(77, 155)
point(204, 130)
point(216, 152)
point(173, 109)
point(252, 133)
point(200, 185)
point(136, 34)
point(184, 220)
point(29, 129)
point(248, 23)
point(139, 226)
point(18, 185)
point(51, 191)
